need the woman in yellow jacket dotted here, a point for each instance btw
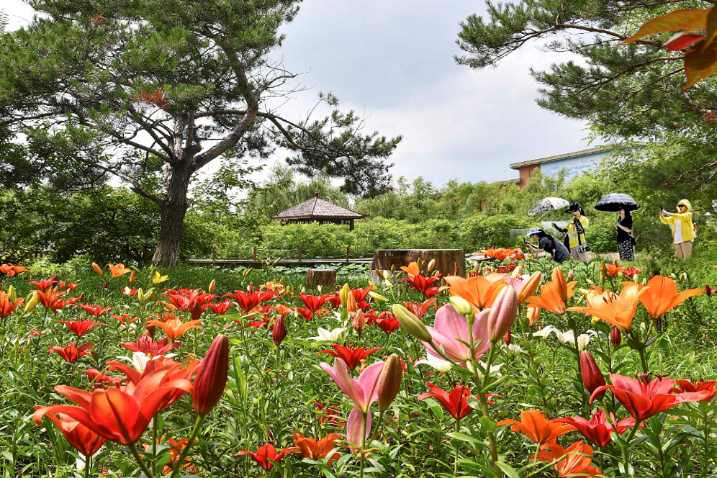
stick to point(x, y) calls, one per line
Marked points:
point(683, 231)
point(576, 233)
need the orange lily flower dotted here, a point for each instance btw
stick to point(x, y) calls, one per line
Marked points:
point(479, 291)
point(490, 252)
point(618, 310)
point(10, 269)
point(613, 270)
point(574, 464)
point(534, 425)
point(533, 316)
point(529, 287)
point(175, 328)
point(563, 288)
point(662, 295)
point(310, 448)
point(7, 306)
point(118, 270)
point(412, 270)
point(549, 299)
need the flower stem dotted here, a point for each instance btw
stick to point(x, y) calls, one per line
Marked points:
point(142, 465)
point(363, 443)
point(195, 431)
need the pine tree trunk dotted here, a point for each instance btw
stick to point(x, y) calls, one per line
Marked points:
point(172, 218)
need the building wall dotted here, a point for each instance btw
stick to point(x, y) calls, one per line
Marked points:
point(527, 173)
point(573, 166)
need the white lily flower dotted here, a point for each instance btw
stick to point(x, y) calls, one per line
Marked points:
point(584, 339)
point(565, 337)
point(545, 332)
point(513, 348)
point(494, 369)
point(139, 361)
point(328, 335)
point(435, 362)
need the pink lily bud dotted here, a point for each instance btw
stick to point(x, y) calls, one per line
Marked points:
point(502, 314)
point(571, 275)
point(507, 338)
point(212, 376)
point(591, 374)
point(389, 382)
point(615, 337)
point(278, 330)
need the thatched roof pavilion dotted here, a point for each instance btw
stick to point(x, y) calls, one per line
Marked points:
point(319, 210)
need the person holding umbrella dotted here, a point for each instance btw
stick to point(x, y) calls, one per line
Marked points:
point(683, 231)
point(625, 240)
point(547, 243)
point(576, 233)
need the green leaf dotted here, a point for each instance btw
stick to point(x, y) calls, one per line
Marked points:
point(487, 424)
point(507, 469)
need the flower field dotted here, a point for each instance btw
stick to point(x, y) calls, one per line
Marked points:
point(520, 370)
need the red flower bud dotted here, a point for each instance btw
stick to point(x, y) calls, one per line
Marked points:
point(591, 374)
point(389, 382)
point(708, 290)
point(278, 330)
point(212, 376)
point(502, 314)
point(507, 338)
point(615, 337)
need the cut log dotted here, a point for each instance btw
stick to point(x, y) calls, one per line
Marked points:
point(449, 262)
point(326, 278)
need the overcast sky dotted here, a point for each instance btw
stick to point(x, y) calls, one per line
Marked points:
point(393, 60)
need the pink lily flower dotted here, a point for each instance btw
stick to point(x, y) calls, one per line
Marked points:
point(451, 327)
point(362, 391)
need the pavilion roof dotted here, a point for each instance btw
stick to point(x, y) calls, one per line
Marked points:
point(317, 209)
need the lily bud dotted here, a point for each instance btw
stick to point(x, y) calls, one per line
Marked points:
point(431, 265)
point(132, 278)
point(278, 330)
point(411, 324)
point(212, 376)
point(502, 314)
point(517, 272)
point(603, 272)
point(708, 290)
point(30, 305)
point(140, 297)
point(344, 294)
point(105, 286)
point(98, 269)
point(507, 338)
point(377, 297)
point(461, 305)
point(351, 304)
point(591, 374)
point(571, 275)
point(533, 315)
point(358, 321)
point(615, 337)
point(212, 285)
point(12, 294)
point(389, 382)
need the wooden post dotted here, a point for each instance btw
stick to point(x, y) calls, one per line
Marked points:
point(321, 277)
point(254, 254)
point(214, 256)
point(299, 253)
point(347, 253)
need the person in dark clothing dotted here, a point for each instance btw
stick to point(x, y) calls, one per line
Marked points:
point(549, 244)
point(625, 245)
point(566, 239)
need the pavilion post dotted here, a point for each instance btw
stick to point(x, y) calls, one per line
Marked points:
point(299, 253)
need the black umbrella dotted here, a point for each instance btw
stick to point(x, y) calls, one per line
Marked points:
point(615, 201)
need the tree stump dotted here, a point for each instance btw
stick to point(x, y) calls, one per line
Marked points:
point(321, 277)
point(449, 262)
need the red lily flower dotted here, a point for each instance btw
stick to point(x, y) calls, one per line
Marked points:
point(266, 453)
point(631, 272)
point(80, 327)
point(251, 300)
point(388, 324)
point(96, 310)
point(100, 379)
point(257, 324)
point(7, 307)
point(74, 300)
point(352, 357)
point(419, 310)
point(122, 414)
point(360, 294)
point(422, 283)
point(692, 387)
point(49, 297)
point(129, 292)
point(71, 352)
point(312, 302)
point(125, 318)
point(44, 284)
point(454, 402)
point(148, 346)
point(79, 436)
point(222, 307)
point(305, 314)
point(69, 287)
point(329, 414)
point(644, 398)
point(183, 299)
point(431, 292)
point(333, 298)
point(598, 429)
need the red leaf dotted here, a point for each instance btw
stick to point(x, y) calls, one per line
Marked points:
point(682, 41)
